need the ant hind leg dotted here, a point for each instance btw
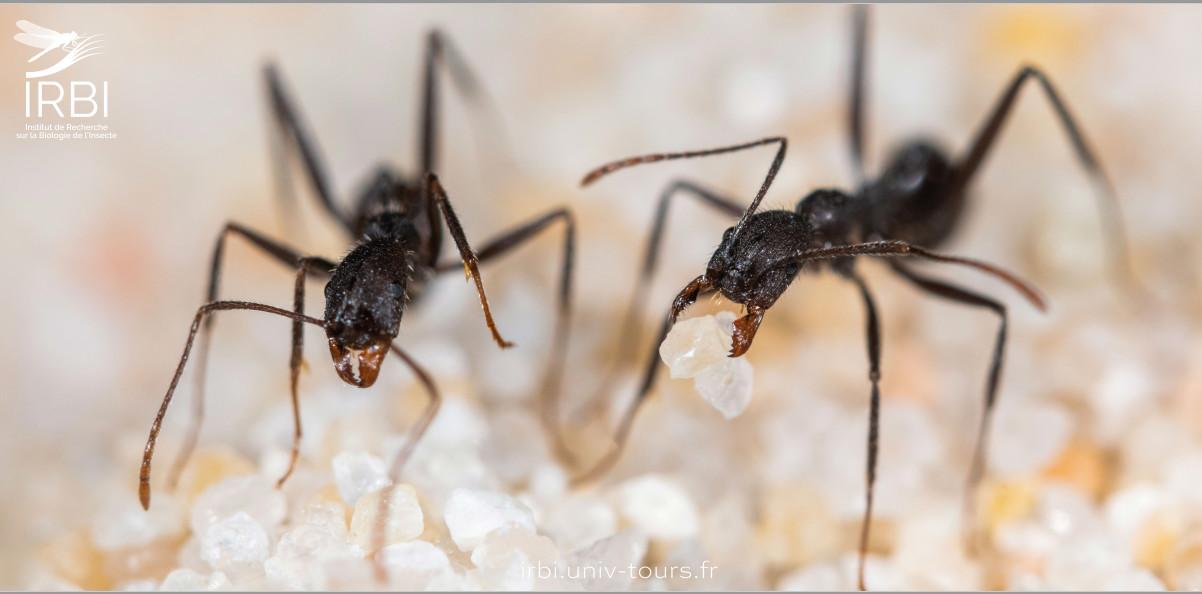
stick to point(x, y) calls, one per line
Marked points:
point(873, 329)
point(292, 131)
point(977, 469)
point(1108, 202)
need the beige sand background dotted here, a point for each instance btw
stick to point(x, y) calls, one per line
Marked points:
point(106, 242)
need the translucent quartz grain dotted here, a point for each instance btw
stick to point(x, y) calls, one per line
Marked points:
point(187, 580)
point(471, 514)
point(659, 507)
point(252, 495)
point(698, 348)
point(358, 473)
point(236, 542)
point(513, 557)
point(416, 565)
point(402, 510)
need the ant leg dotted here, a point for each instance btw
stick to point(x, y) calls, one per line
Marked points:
point(629, 333)
point(277, 251)
point(440, 51)
point(427, 141)
point(873, 328)
point(427, 417)
point(549, 392)
point(471, 264)
point(402, 456)
point(201, 315)
point(1108, 204)
point(285, 194)
point(304, 266)
point(964, 296)
point(684, 299)
point(292, 129)
point(859, 57)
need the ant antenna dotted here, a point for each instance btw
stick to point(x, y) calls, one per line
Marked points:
point(902, 248)
point(773, 169)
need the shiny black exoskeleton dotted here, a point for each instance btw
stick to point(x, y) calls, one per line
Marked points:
point(396, 229)
point(917, 200)
point(914, 205)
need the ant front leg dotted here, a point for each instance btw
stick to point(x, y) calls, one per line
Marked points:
point(304, 266)
point(1110, 210)
point(629, 333)
point(966, 297)
point(687, 297)
point(471, 264)
point(279, 252)
point(201, 314)
point(427, 417)
point(630, 325)
point(873, 329)
point(402, 456)
point(549, 393)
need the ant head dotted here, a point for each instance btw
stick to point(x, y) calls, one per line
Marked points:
point(742, 267)
point(365, 299)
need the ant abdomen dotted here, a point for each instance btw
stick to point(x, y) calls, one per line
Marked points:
point(917, 198)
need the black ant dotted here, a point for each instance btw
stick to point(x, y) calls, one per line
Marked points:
point(914, 205)
point(396, 227)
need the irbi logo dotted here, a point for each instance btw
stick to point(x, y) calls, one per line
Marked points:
point(74, 99)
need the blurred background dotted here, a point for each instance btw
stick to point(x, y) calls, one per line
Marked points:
point(108, 243)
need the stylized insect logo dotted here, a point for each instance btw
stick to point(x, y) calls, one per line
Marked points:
point(77, 47)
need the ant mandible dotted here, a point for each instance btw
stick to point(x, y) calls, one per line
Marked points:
point(396, 227)
point(915, 205)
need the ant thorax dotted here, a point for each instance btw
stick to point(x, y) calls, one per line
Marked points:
point(387, 192)
point(832, 218)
